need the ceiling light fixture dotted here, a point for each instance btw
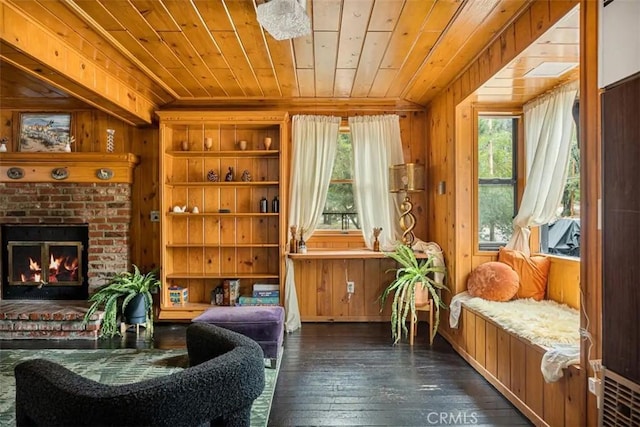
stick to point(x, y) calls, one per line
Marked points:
point(284, 19)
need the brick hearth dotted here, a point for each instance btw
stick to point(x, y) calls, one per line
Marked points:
point(106, 208)
point(27, 319)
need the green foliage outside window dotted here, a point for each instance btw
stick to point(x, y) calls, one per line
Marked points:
point(340, 208)
point(497, 180)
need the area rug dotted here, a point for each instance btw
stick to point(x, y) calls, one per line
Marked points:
point(116, 367)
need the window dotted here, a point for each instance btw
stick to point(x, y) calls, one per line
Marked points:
point(340, 209)
point(562, 235)
point(497, 179)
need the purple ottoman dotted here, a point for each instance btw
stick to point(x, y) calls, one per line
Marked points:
point(263, 324)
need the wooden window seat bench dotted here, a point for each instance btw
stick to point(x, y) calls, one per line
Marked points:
point(512, 362)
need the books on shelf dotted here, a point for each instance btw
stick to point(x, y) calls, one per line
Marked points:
point(266, 287)
point(244, 300)
point(263, 294)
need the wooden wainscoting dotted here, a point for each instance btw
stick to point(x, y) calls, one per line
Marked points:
point(322, 289)
point(512, 365)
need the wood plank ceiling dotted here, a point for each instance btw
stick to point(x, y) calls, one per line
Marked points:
point(207, 52)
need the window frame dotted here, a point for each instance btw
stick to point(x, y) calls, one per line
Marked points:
point(484, 110)
point(324, 237)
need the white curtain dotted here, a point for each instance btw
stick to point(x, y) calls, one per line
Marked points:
point(376, 146)
point(548, 123)
point(314, 143)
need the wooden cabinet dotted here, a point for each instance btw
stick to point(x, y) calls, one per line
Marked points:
point(227, 236)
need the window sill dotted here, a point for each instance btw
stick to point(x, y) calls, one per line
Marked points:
point(344, 254)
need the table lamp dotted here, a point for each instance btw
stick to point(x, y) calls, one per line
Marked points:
point(406, 178)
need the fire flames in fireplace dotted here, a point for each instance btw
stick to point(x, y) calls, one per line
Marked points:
point(61, 269)
point(27, 266)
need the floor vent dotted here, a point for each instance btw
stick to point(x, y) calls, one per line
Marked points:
point(621, 406)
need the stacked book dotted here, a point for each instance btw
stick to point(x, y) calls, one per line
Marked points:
point(263, 294)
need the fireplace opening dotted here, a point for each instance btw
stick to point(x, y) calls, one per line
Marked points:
point(44, 262)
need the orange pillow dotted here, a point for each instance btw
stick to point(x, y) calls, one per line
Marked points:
point(533, 272)
point(493, 281)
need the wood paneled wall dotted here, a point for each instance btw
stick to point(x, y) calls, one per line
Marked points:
point(449, 158)
point(321, 289)
point(450, 145)
point(321, 284)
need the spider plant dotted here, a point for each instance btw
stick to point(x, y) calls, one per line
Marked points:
point(411, 274)
point(114, 297)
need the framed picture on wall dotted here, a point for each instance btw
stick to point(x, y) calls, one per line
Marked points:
point(45, 132)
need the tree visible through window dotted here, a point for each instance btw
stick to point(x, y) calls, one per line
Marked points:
point(497, 180)
point(340, 208)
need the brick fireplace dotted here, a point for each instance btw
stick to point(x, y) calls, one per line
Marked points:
point(105, 208)
point(84, 199)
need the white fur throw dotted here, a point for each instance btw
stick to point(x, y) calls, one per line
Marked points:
point(545, 323)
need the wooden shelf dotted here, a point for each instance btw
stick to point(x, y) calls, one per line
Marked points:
point(81, 167)
point(229, 153)
point(203, 214)
point(345, 254)
point(189, 306)
point(223, 184)
point(224, 245)
point(222, 276)
point(195, 263)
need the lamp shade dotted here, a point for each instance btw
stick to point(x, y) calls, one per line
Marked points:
point(408, 177)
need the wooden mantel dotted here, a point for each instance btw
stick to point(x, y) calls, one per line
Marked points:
point(78, 167)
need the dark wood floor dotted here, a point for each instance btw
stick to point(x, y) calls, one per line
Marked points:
point(337, 374)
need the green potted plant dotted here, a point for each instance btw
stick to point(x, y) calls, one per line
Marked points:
point(129, 292)
point(412, 278)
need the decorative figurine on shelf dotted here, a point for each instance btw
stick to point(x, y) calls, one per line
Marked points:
point(293, 243)
point(376, 242)
point(67, 147)
point(302, 246)
point(246, 176)
point(208, 143)
point(110, 142)
point(3, 144)
point(229, 176)
point(212, 176)
point(195, 210)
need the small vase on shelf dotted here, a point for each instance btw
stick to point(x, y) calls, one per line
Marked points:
point(376, 242)
point(302, 246)
point(110, 142)
point(242, 144)
point(3, 145)
point(208, 143)
point(229, 176)
point(185, 145)
point(267, 143)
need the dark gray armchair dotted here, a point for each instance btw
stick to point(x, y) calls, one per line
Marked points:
point(225, 376)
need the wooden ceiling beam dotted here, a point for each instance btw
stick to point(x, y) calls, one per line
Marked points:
point(66, 68)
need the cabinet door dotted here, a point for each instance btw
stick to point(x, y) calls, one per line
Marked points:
point(621, 229)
